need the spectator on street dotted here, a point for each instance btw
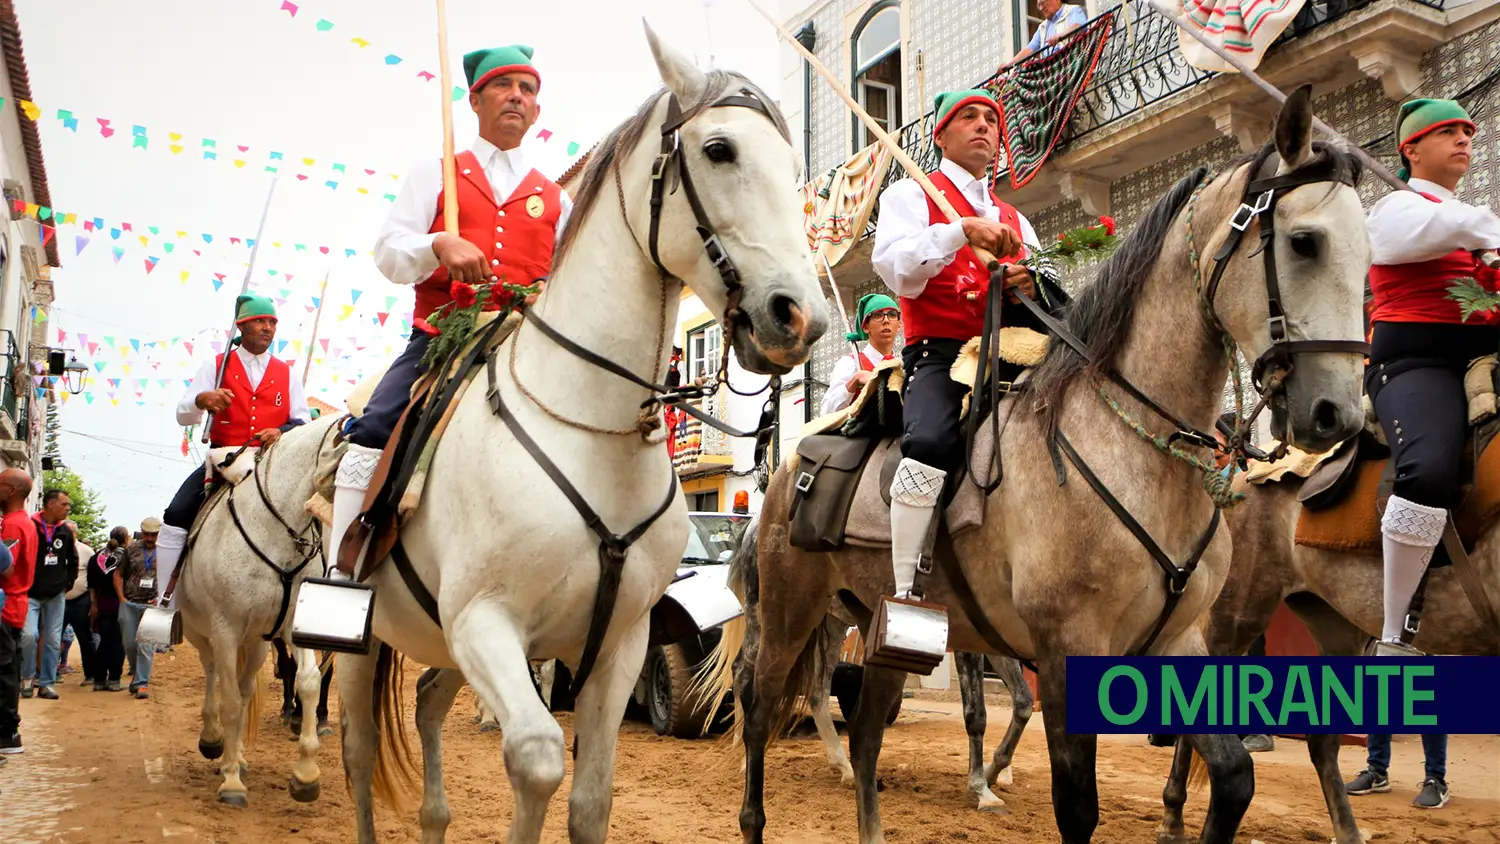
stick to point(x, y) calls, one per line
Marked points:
point(76, 614)
point(56, 569)
point(108, 596)
point(1374, 779)
point(20, 539)
point(137, 581)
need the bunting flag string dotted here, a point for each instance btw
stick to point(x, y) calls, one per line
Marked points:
point(168, 237)
point(392, 60)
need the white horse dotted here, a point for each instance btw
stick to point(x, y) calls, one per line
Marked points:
point(513, 567)
point(236, 591)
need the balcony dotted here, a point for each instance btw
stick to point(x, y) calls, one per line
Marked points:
point(15, 420)
point(699, 449)
point(1144, 103)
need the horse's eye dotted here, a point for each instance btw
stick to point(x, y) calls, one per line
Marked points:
point(1305, 244)
point(719, 151)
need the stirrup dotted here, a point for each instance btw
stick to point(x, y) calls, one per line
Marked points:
point(334, 615)
point(160, 626)
point(907, 635)
point(1380, 647)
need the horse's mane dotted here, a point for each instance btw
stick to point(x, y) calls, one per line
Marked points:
point(596, 176)
point(1102, 314)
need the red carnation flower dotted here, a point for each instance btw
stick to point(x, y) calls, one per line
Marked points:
point(1109, 224)
point(463, 295)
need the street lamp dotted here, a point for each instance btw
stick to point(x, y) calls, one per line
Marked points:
point(74, 374)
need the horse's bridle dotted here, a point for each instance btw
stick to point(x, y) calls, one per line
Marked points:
point(1258, 206)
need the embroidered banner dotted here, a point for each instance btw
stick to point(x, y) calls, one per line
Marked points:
point(836, 206)
point(1038, 98)
point(1246, 28)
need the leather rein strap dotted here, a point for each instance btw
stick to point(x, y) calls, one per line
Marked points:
point(309, 548)
point(613, 547)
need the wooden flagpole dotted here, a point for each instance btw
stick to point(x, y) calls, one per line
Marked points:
point(317, 318)
point(450, 166)
point(839, 298)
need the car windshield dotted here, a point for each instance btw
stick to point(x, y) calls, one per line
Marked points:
point(713, 538)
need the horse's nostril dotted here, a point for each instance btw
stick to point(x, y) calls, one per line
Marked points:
point(1326, 417)
point(784, 310)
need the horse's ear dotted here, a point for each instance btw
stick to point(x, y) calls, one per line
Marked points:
point(680, 75)
point(1294, 127)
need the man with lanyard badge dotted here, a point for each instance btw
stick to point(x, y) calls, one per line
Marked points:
point(138, 578)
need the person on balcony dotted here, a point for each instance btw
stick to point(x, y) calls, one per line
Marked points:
point(1423, 241)
point(878, 322)
point(1061, 19)
point(930, 264)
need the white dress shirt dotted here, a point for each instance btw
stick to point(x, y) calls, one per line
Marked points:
point(909, 250)
point(1406, 228)
point(188, 412)
point(403, 251)
point(838, 396)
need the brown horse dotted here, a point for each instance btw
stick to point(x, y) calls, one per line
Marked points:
point(1054, 569)
point(1338, 595)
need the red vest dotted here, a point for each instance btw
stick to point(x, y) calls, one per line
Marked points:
point(862, 361)
point(516, 235)
point(1418, 292)
point(253, 410)
point(940, 312)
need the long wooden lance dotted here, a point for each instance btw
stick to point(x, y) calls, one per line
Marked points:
point(317, 318)
point(839, 300)
point(450, 171)
point(260, 230)
point(884, 137)
point(1489, 257)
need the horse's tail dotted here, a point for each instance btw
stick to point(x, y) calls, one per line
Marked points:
point(740, 641)
point(714, 678)
point(1197, 773)
point(394, 781)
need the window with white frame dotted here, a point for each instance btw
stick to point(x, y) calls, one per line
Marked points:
point(878, 70)
point(704, 345)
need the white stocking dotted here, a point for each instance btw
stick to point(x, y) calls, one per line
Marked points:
point(1410, 532)
point(350, 484)
point(914, 496)
point(169, 545)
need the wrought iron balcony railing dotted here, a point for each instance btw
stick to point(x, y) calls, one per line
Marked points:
point(15, 403)
point(1142, 65)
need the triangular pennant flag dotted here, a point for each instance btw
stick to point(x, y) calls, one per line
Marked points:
point(348, 309)
point(218, 283)
point(458, 93)
point(184, 276)
point(281, 346)
point(79, 242)
point(145, 241)
point(188, 344)
point(354, 295)
point(119, 253)
point(88, 397)
point(381, 316)
point(100, 366)
point(151, 264)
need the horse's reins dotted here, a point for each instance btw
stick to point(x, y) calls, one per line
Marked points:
point(1258, 205)
point(613, 547)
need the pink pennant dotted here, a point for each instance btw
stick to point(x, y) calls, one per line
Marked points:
point(324, 341)
point(369, 172)
point(289, 6)
point(93, 347)
point(125, 226)
point(242, 148)
point(104, 128)
point(88, 225)
point(234, 240)
point(62, 336)
point(301, 177)
point(426, 77)
point(544, 134)
point(323, 249)
point(188, 344)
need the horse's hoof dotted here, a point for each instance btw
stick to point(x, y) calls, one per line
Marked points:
point(211, 750)
point(325, 728)
point(304, 792)
point(1179, 837)
point(992, 804)
point(295, 725)
point(489, 727)
point(237, 799)
point(1005, 777)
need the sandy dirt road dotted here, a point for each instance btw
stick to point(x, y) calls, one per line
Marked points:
point(104, 768)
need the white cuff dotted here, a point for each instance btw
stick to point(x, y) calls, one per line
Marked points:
point(951, 237)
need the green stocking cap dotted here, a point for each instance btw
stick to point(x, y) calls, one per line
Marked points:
point(868, 304)
point(1416, 118)
point(481, 66)
point(949, 103)
point(250, 306)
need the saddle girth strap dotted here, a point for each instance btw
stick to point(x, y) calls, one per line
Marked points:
point(1468, 578)
point(1177, 575)
point(947, 557)
point(414, 583)
point(612, 547)
point(288, 576)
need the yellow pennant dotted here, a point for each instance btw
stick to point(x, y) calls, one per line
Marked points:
point(32, 209)
point(307, 161)
point(176, 149)
point(348, 310)
point(363, 190)
point(362, 44)
point(181, 233)
point(238, 162)
point(126, 366)
point(276, 243)
point(144, 241)
point(32, 112)
point(184, 276)
point(176, 136)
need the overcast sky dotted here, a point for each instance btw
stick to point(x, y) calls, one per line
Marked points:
point(246, 73)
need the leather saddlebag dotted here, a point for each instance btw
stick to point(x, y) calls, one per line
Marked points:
point(828, 472)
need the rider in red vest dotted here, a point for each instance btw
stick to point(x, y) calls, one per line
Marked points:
point(931, 265)
point(878, 321)
point(1420, 345)
point(257, 402)
point(509, 218)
